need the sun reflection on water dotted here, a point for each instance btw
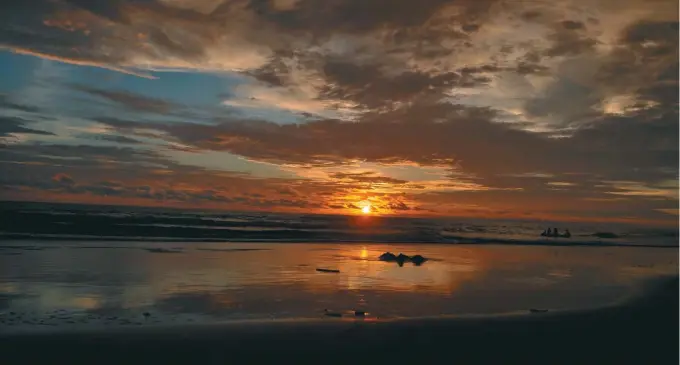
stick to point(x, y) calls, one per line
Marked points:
point(364, 253)
point(274, 280)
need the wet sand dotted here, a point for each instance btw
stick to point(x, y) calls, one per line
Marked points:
point(643, 330)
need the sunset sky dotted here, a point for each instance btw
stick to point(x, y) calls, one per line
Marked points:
point(482, 108)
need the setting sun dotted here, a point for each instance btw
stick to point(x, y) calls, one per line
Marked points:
point(366, 209)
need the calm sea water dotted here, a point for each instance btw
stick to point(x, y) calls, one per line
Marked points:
point(55, 285)
point(85, 222)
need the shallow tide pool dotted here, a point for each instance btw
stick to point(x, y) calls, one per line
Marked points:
point(61, 285)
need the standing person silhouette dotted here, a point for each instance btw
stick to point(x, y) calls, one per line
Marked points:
point(556, 233)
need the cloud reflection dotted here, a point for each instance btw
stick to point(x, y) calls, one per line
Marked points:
point(208, 282)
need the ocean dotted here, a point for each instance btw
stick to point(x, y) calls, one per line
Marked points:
point(71, 222)
point(70, 266)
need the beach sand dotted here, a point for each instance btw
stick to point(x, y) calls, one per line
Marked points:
point(643, 330)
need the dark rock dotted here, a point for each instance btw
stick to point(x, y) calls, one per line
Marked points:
point(401, 259)
point(328, 270)
point(418, 260)
point(388, 256)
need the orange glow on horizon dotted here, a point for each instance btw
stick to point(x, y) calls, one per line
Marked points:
point(48, 197)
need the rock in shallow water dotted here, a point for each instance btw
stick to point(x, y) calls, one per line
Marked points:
point(328, 270)
point(401, 258)
point(387, 256)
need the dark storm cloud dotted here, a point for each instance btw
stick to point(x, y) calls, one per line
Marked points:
point(125, 173)
point(109, 9)
point(572, 25)
point(50, 160)
point(423, 134)
point(641, 72)
point(9, 125)
point(349, 82)
point(647, 58)
point(522, 68)
point(348, 15)
point(405, 31)
point(569, 42)
point(83, 29)
point(121, 123)
point(617, 147)
point(629, 144)
point(28, 28)
point(565, 98)
point(6, 103)
point(62, 183)
point(398, 206)
point(664, 32)
point(110, 138)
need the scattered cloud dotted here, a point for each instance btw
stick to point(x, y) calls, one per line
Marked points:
point(518, 103)
point(10, 126)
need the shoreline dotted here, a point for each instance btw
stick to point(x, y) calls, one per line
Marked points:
point(643, 329)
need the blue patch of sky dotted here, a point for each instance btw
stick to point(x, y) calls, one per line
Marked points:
point(180, 87)
point(195, 89)
point(203, 92)
point(41, 87)
point(46, 84)
point(17, 70)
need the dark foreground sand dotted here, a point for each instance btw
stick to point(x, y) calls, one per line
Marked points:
point(642, 331)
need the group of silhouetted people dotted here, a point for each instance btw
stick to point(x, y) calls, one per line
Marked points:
point(555, 233)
